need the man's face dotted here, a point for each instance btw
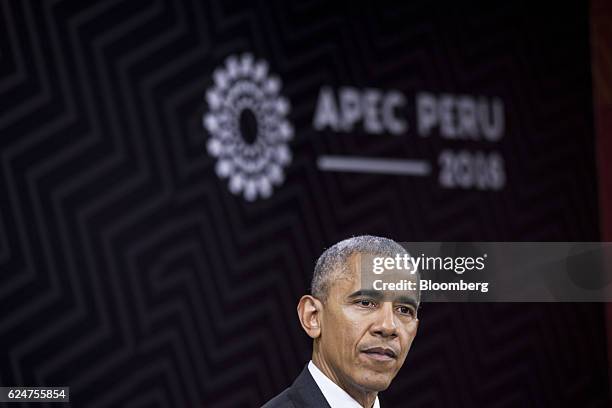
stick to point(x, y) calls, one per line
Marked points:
point(366, 335)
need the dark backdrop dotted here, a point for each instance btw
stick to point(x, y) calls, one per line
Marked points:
point(131, 273)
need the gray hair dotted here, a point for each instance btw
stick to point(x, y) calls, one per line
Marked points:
point(334, 261)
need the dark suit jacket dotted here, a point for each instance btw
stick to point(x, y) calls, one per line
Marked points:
point(303, 393)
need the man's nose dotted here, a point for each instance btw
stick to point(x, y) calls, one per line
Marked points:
point(385, 324)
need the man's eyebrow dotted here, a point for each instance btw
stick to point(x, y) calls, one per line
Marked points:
point(375, 294)
point(378, 295)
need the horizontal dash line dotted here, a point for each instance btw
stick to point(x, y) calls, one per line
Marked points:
point(353, 164)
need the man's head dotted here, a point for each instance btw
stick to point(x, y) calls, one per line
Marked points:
point(361, 337)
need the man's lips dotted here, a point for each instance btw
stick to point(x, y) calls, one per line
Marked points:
point(380, 353)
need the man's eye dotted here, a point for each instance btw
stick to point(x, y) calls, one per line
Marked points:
point(366, 303)
point(406, 310)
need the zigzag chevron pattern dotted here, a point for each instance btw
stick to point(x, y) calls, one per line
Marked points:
point(129, 272)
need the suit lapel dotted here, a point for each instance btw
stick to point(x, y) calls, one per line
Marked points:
point(306, 393)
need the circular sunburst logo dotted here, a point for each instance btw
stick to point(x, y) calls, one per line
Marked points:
point(248, 126)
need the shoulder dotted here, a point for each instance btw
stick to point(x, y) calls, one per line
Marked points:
point(282, 400)
point(303, 393)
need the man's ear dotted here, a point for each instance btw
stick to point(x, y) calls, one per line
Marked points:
point(309, 312)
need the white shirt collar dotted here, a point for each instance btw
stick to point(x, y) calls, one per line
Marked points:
point(336, 397)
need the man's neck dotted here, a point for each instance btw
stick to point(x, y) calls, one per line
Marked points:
point(363, 397)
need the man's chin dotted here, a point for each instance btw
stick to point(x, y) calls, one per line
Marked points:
point(375, 381)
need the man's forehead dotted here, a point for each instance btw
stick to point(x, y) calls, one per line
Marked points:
point(350, 282)
point(359, 262)
point(392, 274)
